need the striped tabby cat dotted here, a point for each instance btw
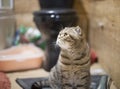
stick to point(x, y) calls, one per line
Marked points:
point(72, 68)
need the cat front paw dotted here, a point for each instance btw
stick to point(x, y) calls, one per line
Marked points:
point(36, 85)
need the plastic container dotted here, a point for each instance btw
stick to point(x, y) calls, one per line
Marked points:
point(7, 28)
point(22, 57)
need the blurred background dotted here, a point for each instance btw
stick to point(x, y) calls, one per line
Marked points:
point(29, 28)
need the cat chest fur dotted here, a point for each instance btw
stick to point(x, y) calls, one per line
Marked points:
point(73, 76)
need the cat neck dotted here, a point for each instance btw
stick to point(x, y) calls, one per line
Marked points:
point(75, 51)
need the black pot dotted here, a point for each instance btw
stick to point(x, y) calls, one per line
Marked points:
point(50, 22)
point(56, 4)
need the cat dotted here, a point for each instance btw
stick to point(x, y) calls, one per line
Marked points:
point(72, 70)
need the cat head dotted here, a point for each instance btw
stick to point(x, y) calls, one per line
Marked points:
point(70, 37)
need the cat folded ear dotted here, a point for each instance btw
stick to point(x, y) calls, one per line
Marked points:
point(78, 30)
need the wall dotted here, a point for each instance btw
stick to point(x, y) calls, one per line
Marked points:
point(104, 32)
point(24, 11)
point(82, 14)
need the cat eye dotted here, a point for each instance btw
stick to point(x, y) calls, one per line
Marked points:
point(65, 34)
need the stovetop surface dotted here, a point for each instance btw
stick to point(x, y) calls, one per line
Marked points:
point(26, 83)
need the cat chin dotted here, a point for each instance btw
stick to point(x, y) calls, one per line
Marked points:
point(58, 43)
point(61, 45)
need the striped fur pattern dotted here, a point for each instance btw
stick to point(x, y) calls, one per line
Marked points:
point(72, 68)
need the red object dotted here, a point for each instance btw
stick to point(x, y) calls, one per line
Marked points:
point(23, 39)
point(4, 81)
point(93, 56)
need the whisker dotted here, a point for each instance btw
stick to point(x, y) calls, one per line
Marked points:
point(56, 46)
point(61, 27)
point(53, 45)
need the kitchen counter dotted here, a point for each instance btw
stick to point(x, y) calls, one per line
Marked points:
point(25, 74)
point(95, 69)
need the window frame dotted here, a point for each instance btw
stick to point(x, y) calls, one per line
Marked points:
point(4, 7)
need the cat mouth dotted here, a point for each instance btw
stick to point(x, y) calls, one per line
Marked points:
point(58, 42)
point(62, 45)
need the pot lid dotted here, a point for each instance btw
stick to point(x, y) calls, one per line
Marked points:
point(55, 11)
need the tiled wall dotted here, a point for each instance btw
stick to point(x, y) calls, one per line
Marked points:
point(24, 11)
